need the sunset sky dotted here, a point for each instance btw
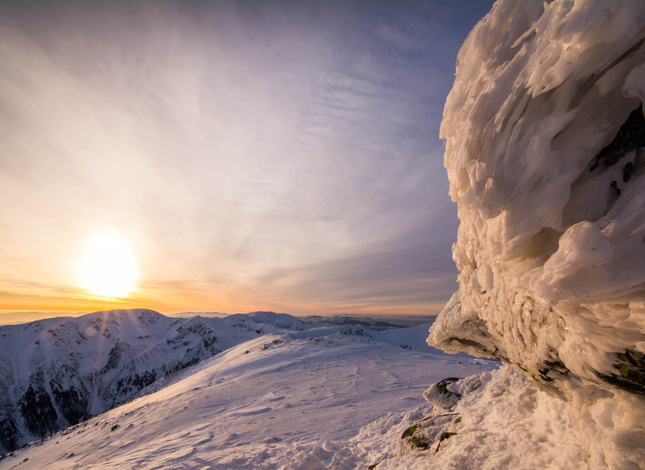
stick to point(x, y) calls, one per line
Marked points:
point(250, 155)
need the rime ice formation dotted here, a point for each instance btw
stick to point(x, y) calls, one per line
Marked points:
point(545, 152)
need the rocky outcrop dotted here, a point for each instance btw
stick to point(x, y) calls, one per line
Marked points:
point(545, 152)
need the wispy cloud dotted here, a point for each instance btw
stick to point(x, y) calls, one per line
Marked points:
point(235, 143)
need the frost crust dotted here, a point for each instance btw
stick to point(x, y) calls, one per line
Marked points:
point(545, 152)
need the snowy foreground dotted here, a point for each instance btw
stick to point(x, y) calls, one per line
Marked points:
point(295, 397)
point(309, 396)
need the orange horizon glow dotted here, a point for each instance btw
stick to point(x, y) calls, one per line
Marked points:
point(107, 259)
point(168, 301)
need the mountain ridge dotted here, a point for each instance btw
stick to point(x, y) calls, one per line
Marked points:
point(60, 371)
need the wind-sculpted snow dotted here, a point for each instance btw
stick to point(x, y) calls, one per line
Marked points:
point(60, 371)
point(545, 152)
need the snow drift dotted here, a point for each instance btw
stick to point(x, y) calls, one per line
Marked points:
point(545, 152)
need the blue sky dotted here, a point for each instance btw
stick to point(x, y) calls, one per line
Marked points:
point(257, 155)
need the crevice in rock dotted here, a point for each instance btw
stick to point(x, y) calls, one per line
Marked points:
point(630, 136)
point(604, 182)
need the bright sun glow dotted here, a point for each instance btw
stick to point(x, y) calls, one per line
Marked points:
point(108, 267)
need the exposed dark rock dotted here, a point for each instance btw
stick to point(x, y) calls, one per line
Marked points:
point(552, 370)
point(183, 365)
point(271, 344)
point(443, 437)
point(74, 404)
point(631, 365)
point(416, 440)
point(131, 384)
point(9, 433)
point(631, 136)
point(113, 358)
point(443, 386)
point(627, 171)
point(430, 430)
point(37, 409)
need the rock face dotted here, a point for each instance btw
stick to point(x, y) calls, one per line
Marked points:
point(545, 152)
point(60, 371)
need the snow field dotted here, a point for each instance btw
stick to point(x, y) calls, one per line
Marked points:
point(271, 402)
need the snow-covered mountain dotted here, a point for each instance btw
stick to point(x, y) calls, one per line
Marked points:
point(294, 396)
point(60, 371)
point(324, 397)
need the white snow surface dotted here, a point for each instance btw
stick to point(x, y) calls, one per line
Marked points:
point(551, 201)
point(60, 371)
point(323, 398)
point(301, 396)
point(85, 365)
point(312, 397)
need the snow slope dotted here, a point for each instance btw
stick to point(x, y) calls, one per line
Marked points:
point(545, 152)
point(57, 372)
point(291, 399)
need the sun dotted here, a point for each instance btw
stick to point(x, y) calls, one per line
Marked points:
point(108, 267)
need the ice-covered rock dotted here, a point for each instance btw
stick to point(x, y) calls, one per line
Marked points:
point(545, 152)
point(499, 422)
